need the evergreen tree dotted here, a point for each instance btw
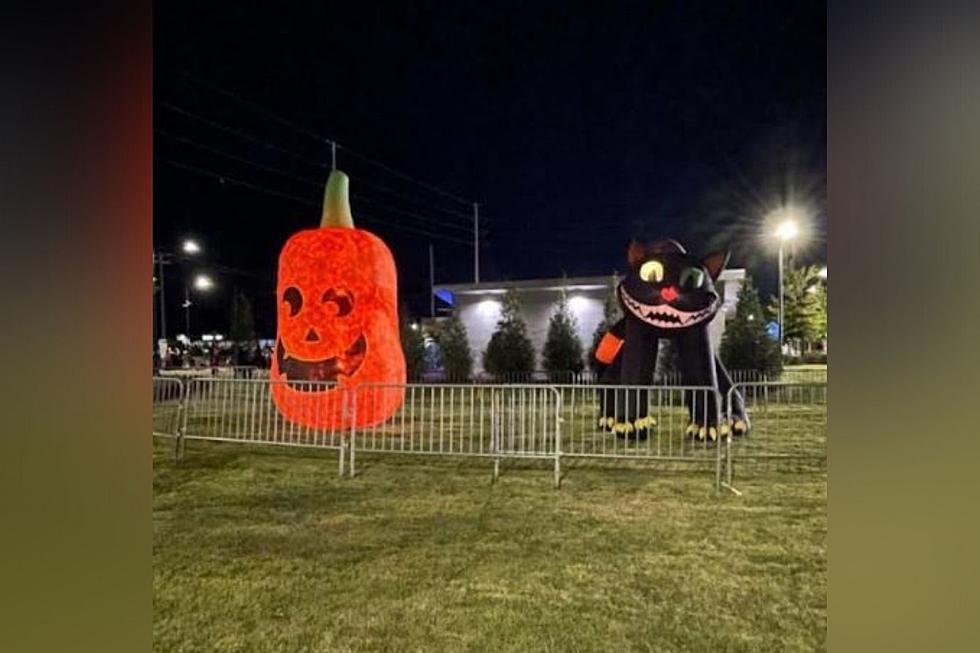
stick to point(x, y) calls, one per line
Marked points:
point(562, 349)
point(821, 320)
point(746, 345)
point(242, 322)
point(413, 346)
point(457, 362)
point(611, 313)
point(804, 312)
point(509, 354)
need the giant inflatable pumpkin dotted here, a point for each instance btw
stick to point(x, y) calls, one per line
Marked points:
point(337, 321)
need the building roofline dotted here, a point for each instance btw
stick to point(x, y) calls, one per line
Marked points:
point(570, 283)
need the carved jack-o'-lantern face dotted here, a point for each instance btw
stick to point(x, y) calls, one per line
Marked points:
point(337, 320)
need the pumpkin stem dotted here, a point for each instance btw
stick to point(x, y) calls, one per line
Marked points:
point(336, 202)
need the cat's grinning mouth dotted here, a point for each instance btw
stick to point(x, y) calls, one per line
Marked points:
point(664, 315)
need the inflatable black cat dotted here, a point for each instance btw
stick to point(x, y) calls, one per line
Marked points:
point(670, 295)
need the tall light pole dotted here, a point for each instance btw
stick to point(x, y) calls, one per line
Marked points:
point(188, 246)
point(476, 242)
point(201, 282)
point(161, 259)
point(785, 232)
point(432, 281)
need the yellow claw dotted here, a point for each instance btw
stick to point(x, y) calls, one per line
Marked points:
point(713, 434)
point(644, 422)
point(724, 429)
point(628, 427)
point(692, 428)
point(702, 432)
point(740, 426)
point(619, 427)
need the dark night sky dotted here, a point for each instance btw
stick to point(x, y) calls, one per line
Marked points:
point(574, 130)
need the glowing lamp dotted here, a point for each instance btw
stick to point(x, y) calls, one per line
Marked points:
point(787, 230)
point(489, 307)
point(337, 321)
point(578, 303)
point(203, 282)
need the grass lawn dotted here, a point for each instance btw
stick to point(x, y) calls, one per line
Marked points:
point(267, 549)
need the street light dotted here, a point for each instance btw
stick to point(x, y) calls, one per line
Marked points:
point(189, 246)
point(202, 282)
point(786, 230)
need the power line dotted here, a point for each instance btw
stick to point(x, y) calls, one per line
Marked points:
point(232, 157)
point(225, 178)
point(267, 145)
point(317, 136)
point(362, 198)
point(283, 173)
point(240, 134)
point(409, 198)
point(397, 173)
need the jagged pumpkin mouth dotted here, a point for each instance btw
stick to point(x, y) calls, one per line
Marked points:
point(326, 369)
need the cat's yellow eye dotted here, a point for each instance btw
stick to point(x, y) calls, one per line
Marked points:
point(652, 271)
point(691, 278)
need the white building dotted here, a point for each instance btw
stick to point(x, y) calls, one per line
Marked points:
point(479, 305)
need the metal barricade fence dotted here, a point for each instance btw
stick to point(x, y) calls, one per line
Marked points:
point(532, 421)
point(665, 417)
point(489, 421)
point(168, 401)
point(788, 427)
point(243, 410)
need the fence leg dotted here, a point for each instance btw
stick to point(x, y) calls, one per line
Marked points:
point(340, 458)
point(718, 467)
point(494, 435)
point(353, 447)
point(557, 471)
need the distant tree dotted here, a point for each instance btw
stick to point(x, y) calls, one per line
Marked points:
point(510, 352)
point(413, 346)
point(457, 361)
point(746, 345)
point(242, 322)
point(562, 351)
point(611, 313)
point(821, 322)
point(804, 312)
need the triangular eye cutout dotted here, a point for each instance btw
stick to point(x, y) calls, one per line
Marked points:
point(715, 263)
point(635, 254)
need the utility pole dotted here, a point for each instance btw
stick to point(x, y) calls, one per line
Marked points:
point(187, 311)
point(333, 155)
point(780, 299)
point(162, 259)
point(432, 281)
point(476, 242)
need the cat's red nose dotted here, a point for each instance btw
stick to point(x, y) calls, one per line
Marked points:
point(669, 293)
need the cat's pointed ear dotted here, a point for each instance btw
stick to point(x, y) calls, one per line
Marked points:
point(715, 263)
point(635, 253)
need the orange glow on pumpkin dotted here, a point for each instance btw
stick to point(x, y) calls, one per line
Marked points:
point(337, 321)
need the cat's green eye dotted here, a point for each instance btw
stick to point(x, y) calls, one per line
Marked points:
point(691, 278)
point(652, 271)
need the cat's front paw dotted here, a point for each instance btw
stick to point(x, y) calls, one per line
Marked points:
point(740, 426)
point(638, 429)
point(709, 432)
